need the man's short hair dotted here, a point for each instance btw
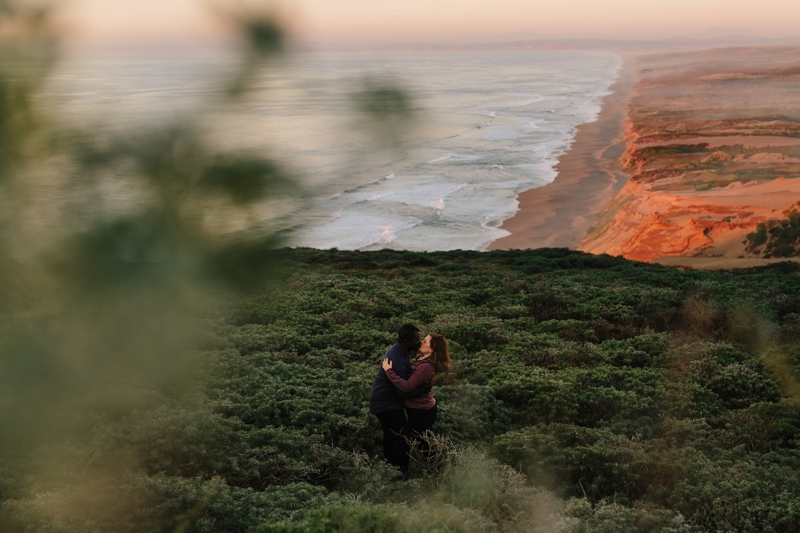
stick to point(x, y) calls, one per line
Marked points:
point(407, 332)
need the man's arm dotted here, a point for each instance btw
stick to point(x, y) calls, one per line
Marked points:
point(419, 391)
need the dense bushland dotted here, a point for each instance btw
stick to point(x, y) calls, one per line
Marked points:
point(588, 393)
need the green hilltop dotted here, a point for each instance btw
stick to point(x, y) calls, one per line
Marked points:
point(589, 393)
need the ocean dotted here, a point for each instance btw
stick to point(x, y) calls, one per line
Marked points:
point(486, 126)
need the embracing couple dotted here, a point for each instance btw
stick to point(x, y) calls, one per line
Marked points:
point(402, 387)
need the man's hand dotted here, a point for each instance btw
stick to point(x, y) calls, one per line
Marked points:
point(387, 364)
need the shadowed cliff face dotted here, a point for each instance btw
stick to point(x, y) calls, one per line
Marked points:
point(713, 150)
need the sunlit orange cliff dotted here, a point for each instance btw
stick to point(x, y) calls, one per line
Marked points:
point(712, 147)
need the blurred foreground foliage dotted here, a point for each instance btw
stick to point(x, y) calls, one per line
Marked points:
point(154, 377)
point(111, 244)
point(589, 394)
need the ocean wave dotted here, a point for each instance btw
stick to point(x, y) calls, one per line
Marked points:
point(443, 158)
point(360, 201)
point(438, 204)
point(363, 186)
point(380, 196)
point(354, 231)
point(421, 194)
point(458, 179)
point(509, 105)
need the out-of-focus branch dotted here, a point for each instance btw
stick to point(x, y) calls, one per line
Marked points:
point(93, 293)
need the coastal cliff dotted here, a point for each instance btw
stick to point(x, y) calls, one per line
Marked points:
point(712, 149)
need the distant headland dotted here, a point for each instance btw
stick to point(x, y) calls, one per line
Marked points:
point(708, 175)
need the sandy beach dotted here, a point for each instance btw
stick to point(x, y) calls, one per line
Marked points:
point(589, 174)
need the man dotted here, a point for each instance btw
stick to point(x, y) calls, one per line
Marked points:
point(386, 401)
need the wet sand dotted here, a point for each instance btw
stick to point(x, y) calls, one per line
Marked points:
point(560, 213)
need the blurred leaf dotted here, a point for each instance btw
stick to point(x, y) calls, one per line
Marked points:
point(113, 254)
point(265, 36)
point(384, 102)
point(265, 39)
point(244, 179)
point(246, 264)
point(27, 54)
point(388, 111)
point(140, 249)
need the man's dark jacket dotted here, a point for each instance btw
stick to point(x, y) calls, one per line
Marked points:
point(385, 395)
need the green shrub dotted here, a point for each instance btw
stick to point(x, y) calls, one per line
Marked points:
point(577, 461)
point(739, 386)
point(592, 384)
point(615, 518)
point(470, 413)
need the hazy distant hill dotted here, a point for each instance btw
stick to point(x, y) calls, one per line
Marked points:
point(677, 43)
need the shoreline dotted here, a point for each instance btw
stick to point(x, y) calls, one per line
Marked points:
point(560, 213)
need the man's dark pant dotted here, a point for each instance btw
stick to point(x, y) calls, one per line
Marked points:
point(395, 427)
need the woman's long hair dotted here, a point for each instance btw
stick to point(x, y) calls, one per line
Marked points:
point(440, 354)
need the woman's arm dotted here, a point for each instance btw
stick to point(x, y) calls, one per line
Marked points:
point(419, 375)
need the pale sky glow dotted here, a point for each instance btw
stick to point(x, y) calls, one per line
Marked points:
point(444, 20)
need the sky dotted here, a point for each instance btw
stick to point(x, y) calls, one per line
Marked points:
point(442, 20)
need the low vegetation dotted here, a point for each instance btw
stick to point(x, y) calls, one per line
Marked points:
point(777, 238)
point(589, 393)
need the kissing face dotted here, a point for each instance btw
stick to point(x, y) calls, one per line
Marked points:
point(415, 343)
point(425, 346)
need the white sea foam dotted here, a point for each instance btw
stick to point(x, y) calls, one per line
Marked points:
point(505, 134)
point(426, 194)
point(508, 105)
point(380, 196)
point(353, 232)
point(438, 159)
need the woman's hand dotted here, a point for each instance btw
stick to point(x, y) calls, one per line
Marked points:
point(386, 364)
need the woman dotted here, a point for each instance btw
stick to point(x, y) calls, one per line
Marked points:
point(433, 359)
